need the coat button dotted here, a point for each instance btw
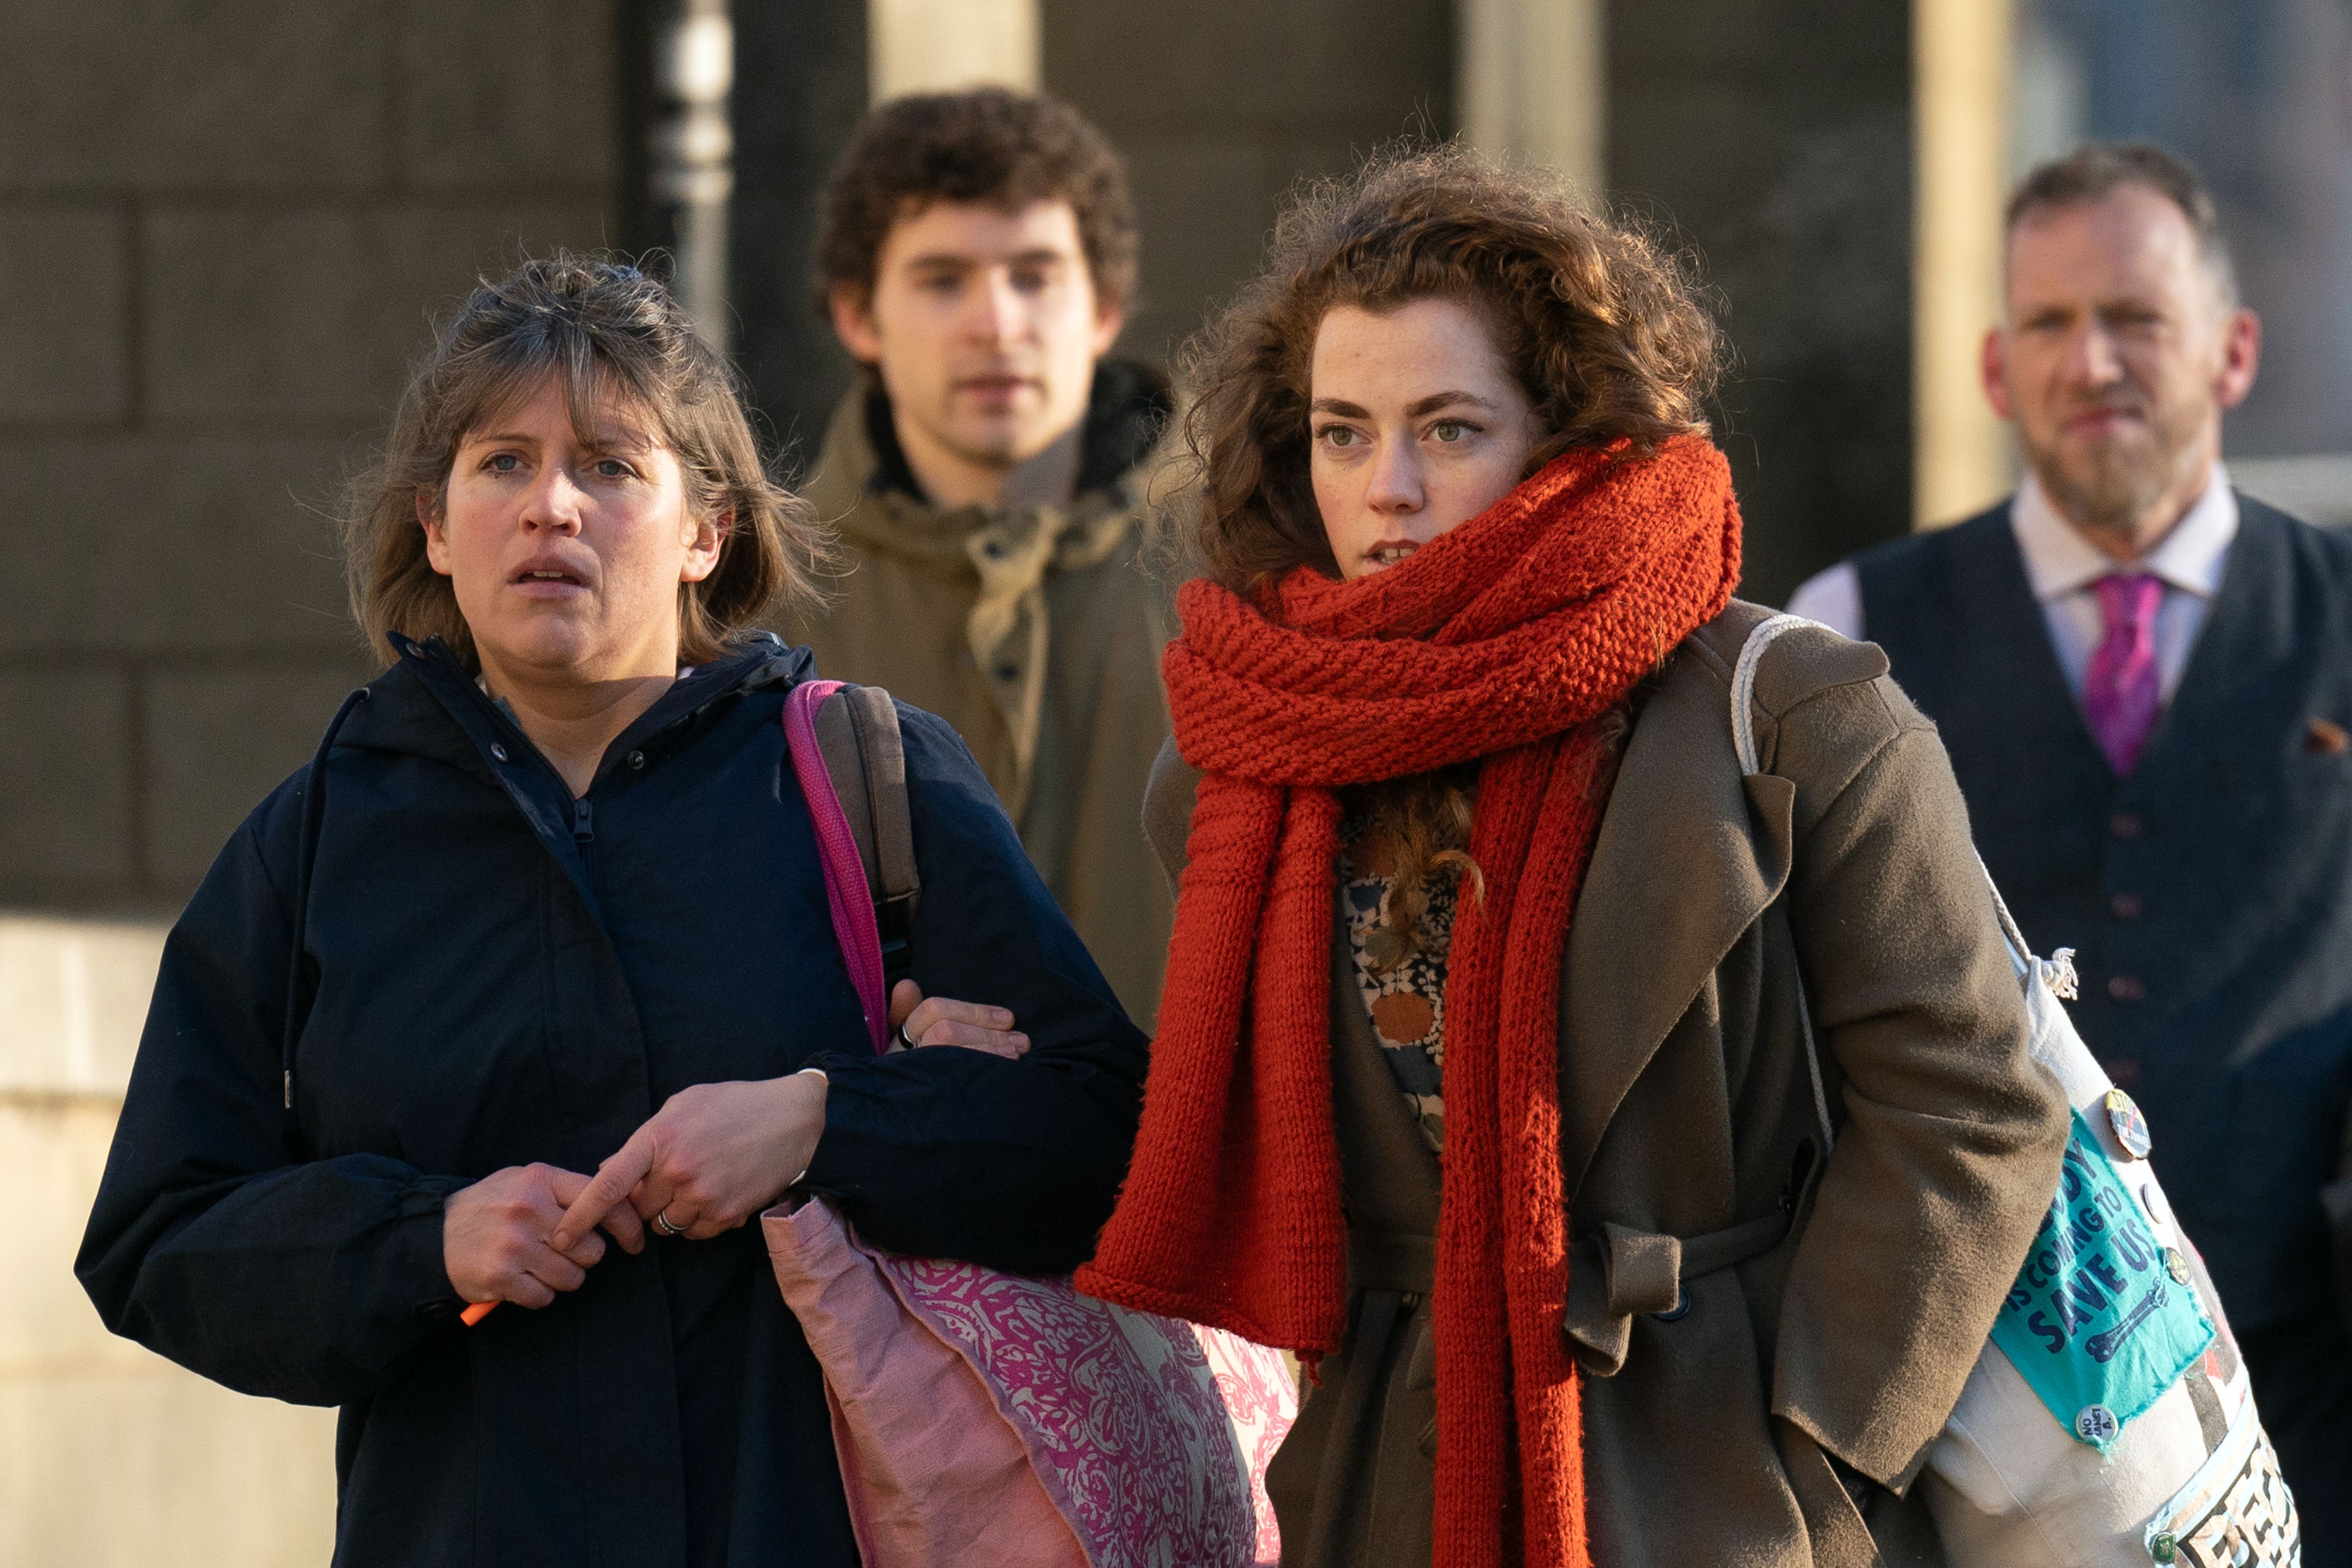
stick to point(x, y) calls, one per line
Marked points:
point(1008, 672)
point(2124, 825)
point(2126, 988)
point(498, 751)
point(994, 550)
point(637, 761)
point(2125, 906)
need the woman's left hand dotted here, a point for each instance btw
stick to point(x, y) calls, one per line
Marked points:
point(708, 1160)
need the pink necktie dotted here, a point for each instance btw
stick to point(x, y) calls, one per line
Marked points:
point(2119, 694)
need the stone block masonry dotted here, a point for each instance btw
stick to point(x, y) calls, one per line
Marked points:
point(225, 231)
point(109, 1456)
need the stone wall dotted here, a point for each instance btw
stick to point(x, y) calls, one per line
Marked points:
point(1223, 105)
point(112, 1457)
point(1774, 137)
point(222, 232)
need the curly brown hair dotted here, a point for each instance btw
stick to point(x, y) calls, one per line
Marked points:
point(1601, 326)
point(1007, 149)
point(598, 328)
point(1600, 323)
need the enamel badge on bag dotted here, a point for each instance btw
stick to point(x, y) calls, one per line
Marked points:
point(2100, 1321)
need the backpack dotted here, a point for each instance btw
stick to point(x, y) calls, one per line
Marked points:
point(2109, 1421)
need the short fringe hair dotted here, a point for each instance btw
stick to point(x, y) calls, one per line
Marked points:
point(2096, 170)
point(600, 329)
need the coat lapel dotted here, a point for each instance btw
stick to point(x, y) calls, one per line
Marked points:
point(1689, 855)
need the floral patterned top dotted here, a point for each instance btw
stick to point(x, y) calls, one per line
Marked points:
point(1407, 1002)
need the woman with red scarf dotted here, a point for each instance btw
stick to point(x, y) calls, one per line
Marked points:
point(1483, 1079)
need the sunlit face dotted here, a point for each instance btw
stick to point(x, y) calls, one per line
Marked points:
point(985, 326)
point(2119, 354)
point(566, 555)
point(1417, 426)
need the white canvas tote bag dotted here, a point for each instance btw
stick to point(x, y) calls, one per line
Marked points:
point(2109, 1422)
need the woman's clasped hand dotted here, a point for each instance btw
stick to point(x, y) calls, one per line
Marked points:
point(714, 1155)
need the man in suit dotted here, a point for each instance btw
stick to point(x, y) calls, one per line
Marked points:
point(2144, 679)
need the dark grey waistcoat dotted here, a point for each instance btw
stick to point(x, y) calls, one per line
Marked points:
point(2208, 896)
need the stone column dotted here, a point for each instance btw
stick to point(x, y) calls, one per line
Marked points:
point(1961, 55)
point(1530, 80)
point(924, 46)
point(694, 156)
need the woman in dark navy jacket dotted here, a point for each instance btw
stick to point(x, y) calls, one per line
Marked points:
point(551, 890)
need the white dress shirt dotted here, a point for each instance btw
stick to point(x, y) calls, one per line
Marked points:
point(2061, 567)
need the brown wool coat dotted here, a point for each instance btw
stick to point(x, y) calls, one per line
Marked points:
point(1780, 1419)
point(1037, 634)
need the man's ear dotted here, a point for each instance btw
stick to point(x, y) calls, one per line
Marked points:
point(1110, 319)
point(2242, 356)
point(437, 541)
point(1992, 367)
point(852, 321)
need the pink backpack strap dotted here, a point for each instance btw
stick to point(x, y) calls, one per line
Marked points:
point(846, 893)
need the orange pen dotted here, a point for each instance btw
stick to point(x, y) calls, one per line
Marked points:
point(477, 1312)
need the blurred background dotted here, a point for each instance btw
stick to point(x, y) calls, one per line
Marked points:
point(224, 227)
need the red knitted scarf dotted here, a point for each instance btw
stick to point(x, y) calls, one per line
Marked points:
point(1503, 640)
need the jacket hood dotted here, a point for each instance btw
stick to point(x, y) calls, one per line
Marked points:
point(1127, 407)
point(864, 486)
point(430, 706)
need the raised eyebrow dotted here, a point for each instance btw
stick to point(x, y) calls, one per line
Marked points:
point(1337, 407)
point(1438, 400)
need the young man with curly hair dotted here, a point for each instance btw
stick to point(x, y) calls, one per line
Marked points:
point(989, 475)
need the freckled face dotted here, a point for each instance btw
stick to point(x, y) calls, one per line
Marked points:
point(1417, 426)
point(566, 551)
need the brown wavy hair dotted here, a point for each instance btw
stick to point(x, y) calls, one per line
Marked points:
point(1601, 324)
point(600, 329)
point(986, 144)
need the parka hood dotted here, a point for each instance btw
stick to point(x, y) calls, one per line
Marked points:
point(428, 706)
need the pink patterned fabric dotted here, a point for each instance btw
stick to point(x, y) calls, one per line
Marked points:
point(989, 1420)
point(986, 1418)
point(2119, 690)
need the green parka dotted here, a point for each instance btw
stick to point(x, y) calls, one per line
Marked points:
point(1035, 631)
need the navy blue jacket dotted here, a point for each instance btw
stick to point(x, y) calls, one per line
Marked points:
point(2208, 896)
point(492, 975)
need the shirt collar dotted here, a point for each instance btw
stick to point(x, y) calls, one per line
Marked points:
point(2059, 560)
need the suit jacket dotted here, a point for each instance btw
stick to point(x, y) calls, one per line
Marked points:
point(1744, 1316)
point(2208, 895)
